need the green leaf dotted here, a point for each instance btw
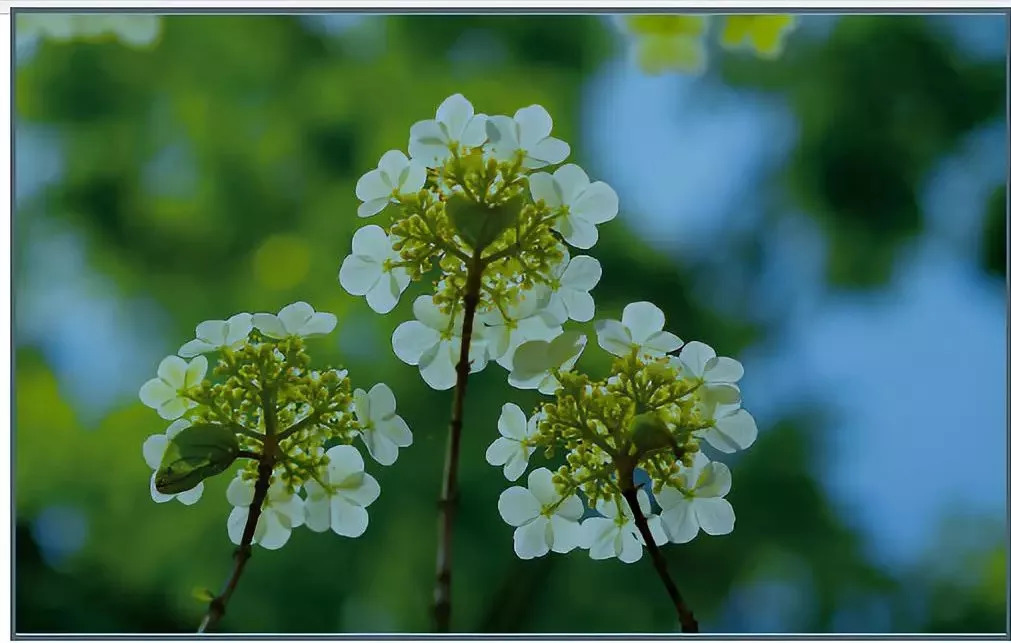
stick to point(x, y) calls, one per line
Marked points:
point(479, 224)
point(649, 432)
point(203, 594)
point(194, 454)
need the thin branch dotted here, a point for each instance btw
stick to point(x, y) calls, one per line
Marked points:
point(685, 616)
point(442, 604)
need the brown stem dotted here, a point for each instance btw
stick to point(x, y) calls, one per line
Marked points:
point(685, 616)
point(447, 502)
point(245, 549)
point(243, 552)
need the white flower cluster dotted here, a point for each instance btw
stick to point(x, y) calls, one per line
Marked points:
point(696, 391)
point(564, 201)
point(336, 488)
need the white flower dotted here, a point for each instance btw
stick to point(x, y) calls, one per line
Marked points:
point(215, 334)
point(383, 431)
point(433, 344)
point(455, 122)
point(368, 270)
point(282, 512)
point(572, 300)
point(584, 205)
point(701, 362)
point(513, 449)
point(534, 361)
point(734, 429)
point(295, 319)
point(154, 451)
point(528, 130)
point(341, 507)
point(615, 534)
point(395, 175)
point(702, 505)
point(641, 328)
point(167, 392)
point(544, 521)
point(503, 334)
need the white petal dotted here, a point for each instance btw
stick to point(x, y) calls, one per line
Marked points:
point(724, 369)
point(570, 509)
point(577, 232)
point(363, 494)
point(656, 530)
point(475, 132)
point(429, 314)
point(541, 485)
point(291, 511)
point(565, 534)
point(381, 448)
point(547, 152)
point(195, 371)
point(317, 508)
point(582, 273)
point(269, 325)
point(516, 464)
point(414, 178)
point(295, 316)
point(191, 496)
point(372, 187)
point(599, 536)
point(411, 339)
point(715, 515)
point(695, 356)
point(371, 241)
point(679, 521)
point(512, 422)
point(518, 506)
point(213, 332)
point(345, 462)
point(393, 163)
point(156, 392)
point(239, 326)
point(175, 408)
point(629, 546)
point(237, 524)
point(662, 343)
point(174, 428)
point(358, 274)
point(372, 207)
point(172, 370)
point(439, 372)
point(158, 496)
point(564, 350)
point(578, 305)
point(195, 347)
point(735, 431)
point(382, 403)
point(501, 451)
point(543, 187)
point(531, 539)
point(642, 319)
point(395, 429)
point(534, 125)
point(455, 112)
point(239, 493)
point(319, 324)
point(714, 481)
point(598, 203)
point(154, 449)
point(347, 519)
point(613, 337)
point(275, 534)
point(572, 181)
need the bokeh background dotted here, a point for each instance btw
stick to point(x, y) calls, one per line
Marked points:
point(834, 218)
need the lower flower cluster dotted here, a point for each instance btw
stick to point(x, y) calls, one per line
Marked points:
point(637, 433)
point(293, 427)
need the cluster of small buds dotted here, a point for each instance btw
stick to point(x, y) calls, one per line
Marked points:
point(672, 42)
point(661, 401)
point(477, 201)
point(264, 405)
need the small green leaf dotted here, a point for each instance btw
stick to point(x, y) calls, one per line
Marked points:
point(479, 224)
point(203, 594)
point(194, 454)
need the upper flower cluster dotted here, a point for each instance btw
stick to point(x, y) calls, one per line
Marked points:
point(477, 201)
point(263, 402)
point(662, 399)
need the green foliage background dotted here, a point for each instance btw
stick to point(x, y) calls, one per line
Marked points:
point(275, 122)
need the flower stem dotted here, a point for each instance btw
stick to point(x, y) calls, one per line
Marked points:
point(685, 616)
point(245, 549)
point(442, 603)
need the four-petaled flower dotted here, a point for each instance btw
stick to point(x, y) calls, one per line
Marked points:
point(528, 131)
point(298, 318)
point(615, 533)
point(640, 328)
point(583, 205)
point(216, 334)
point(432, 343)
point(572, 300)
point(340, 504)
point(544, 521)
point(369, 270)
point(701, 503)
point(455, 122)
point(167, 393)
point(514, 448)
point(382, 430)
point(282, 512)
point(523, 321)
point(154, 450)
point(535, 361)
point(396, 175)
